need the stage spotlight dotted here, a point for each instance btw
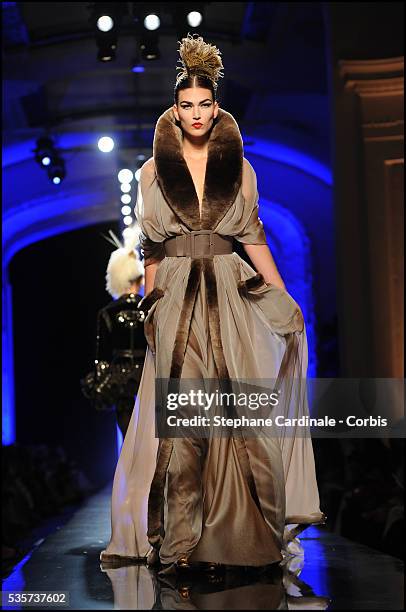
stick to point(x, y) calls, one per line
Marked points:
point(188, 17)
point(148, 17)
point(126, 198)
point(125, 176)
point(149, 45)
point(152, 22)
point(125, 187)
point(137, 174)
point(44, 151)
point(106, 52)
point(127, 231)
point(56, 170)
point(105, 23)
point(127, 220)
point(194, 19)
point(126, 210)
point(47, 156)
point(106, 18)
point(105, 144)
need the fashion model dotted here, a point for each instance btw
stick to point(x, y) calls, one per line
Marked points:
point(120, 340)
point(231, 500)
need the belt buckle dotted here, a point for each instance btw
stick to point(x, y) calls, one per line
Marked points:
point(193, 247)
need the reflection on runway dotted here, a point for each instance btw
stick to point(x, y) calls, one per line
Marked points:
point(333, 573)
point(273, 588)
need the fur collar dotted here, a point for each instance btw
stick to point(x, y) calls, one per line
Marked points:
point(223, 171)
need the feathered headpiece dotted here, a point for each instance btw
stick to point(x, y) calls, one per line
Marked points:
point(124, 265)
point(199, 58)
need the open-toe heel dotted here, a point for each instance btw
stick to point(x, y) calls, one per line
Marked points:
point(293, 533)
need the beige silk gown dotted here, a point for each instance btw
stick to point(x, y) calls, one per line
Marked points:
point(222, 499)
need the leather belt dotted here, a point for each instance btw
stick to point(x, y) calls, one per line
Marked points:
point(197, 244)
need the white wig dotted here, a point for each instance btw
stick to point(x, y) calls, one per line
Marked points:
point(124, 265)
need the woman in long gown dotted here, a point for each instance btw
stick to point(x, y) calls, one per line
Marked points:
point(211, 316)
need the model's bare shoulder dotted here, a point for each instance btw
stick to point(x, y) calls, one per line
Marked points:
point(249, 180)
point(246, 165)
point(147, 174)
point(148, 167)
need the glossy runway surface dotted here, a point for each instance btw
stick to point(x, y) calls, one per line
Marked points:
point(333, 574)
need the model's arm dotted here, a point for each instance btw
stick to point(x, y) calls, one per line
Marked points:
point(153, 251)
point(252, 235)
point(264, 263)
point(150, 272)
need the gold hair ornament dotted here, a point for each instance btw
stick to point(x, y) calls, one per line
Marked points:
point(199, 58)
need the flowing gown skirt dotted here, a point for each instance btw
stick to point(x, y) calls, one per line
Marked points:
point(210, 512)
point(224, 500)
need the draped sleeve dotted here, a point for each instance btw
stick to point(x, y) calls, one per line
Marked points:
point(152, 236)
point(252, 230)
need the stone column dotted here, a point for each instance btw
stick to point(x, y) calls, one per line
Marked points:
point(369, 214)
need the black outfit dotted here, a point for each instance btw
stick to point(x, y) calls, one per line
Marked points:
point(121, 343)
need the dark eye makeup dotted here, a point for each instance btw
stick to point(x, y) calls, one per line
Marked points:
point(189, 105)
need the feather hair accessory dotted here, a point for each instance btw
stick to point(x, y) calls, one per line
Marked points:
point(124, 265)
point(199, 58)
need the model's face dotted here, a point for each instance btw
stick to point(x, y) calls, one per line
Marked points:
point(196, 106)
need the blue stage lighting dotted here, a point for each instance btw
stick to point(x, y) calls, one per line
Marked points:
point(56, 171)
point(44, 151)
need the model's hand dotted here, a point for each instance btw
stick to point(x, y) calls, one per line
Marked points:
point(149, 300)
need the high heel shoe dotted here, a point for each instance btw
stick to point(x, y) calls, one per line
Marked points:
point(300, 527)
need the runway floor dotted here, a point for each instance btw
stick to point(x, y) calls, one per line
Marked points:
point(333, 574)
